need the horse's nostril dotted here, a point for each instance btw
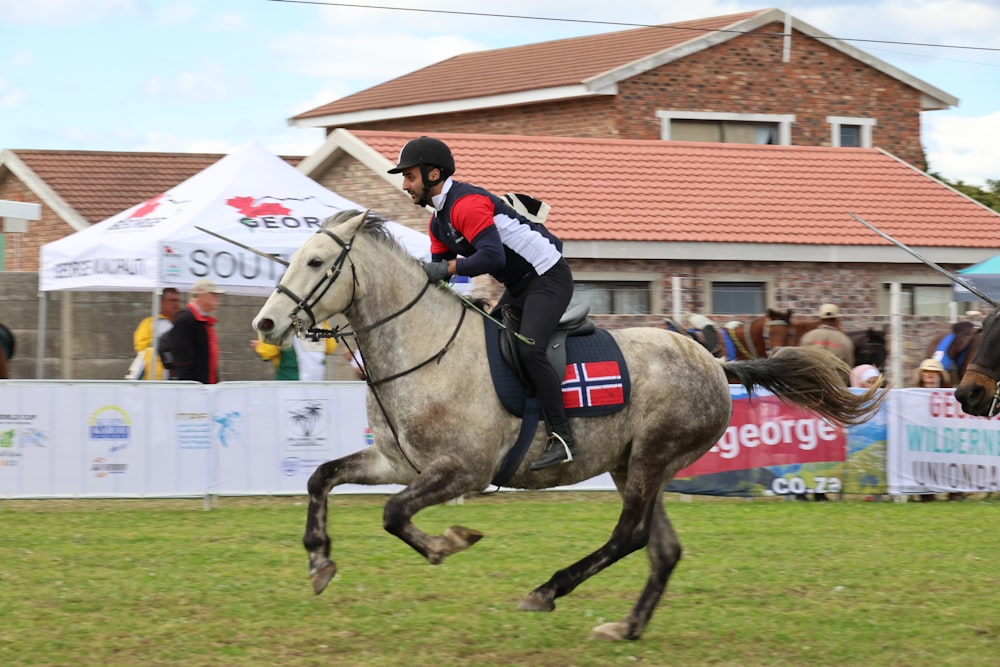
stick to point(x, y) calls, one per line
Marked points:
point(265, 325)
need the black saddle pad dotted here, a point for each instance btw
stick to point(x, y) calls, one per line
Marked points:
point(596, 381)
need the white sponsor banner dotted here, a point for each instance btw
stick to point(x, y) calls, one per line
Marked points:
point(935, 447)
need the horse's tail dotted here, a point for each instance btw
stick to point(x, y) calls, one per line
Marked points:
point(812, 378)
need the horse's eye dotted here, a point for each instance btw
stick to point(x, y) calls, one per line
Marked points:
point(315, 263)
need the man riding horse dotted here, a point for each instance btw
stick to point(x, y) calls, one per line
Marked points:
point(474, 232)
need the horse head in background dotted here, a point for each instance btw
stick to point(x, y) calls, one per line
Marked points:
point(955, 348)
point(440, 429)
point(978, 391)
point(870, 347)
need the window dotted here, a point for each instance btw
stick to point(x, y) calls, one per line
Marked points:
point(612, 297)
point(931, 300)
point(850, 136)
point(846, 132)
point(724, 131)
point(737, 297)
point(730, 128)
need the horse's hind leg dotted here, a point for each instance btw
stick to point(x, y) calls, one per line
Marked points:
point(635, 529)
point(357, 468)
point(664, 553)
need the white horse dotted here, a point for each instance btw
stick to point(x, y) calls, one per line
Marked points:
point(440, 429)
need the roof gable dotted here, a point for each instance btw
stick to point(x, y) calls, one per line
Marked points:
point(608, 190)
point(85, 187)
point(560, 69)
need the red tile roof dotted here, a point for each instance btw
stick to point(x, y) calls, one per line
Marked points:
point(99, 184)
point(630, 190)
point(564, 62)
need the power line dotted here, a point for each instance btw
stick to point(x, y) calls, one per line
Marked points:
point(620, 24)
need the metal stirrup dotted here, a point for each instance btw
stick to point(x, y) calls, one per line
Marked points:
point(558, 438)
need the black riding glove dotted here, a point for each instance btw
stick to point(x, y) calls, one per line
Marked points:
point(437, 271)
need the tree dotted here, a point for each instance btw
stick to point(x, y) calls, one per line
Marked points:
point(987, 196)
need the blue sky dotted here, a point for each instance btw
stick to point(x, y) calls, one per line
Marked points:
point(209, 76)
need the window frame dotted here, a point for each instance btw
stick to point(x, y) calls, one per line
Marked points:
point(783, 121)
point(710, 280)
point(865, 124)
point(653, 282)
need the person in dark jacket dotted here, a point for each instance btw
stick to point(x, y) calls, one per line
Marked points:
point(193, 340)
point(474, 232)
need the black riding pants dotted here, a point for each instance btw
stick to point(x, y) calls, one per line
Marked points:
point(540, 306)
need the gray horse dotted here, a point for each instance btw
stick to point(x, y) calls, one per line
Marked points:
point(440, 429)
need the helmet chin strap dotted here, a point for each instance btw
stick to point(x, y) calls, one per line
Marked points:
point(425, 194)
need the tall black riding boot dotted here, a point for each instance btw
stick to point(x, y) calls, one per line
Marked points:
point(559, 448)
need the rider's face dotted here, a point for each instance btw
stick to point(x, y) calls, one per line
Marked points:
point(413, 182)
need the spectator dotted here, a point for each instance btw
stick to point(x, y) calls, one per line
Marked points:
point(142, 338)
point(931, 374)
point(194, 343)
point(302, 360)
point(865, 376)
point(356, 362)
point(6, 351)
point(829, 335)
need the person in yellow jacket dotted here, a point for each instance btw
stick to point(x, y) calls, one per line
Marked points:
point(302, 360)
point(142, 339)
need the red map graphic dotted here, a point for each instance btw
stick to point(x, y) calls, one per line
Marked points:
point(250, 209)
point(147, 207)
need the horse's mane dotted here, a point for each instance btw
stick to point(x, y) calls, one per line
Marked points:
point(374, 227)
point(964, 333)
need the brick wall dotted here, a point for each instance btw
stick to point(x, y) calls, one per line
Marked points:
point(745, 74)
point(21, 251)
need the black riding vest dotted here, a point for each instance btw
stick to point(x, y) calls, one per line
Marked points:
point(518, 269)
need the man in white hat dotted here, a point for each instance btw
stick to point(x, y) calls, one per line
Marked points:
point(829, 334)
point(193, 342)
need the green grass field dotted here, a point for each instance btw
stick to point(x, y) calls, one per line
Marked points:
point(763, 582)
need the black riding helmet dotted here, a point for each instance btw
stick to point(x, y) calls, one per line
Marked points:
point(427, 153)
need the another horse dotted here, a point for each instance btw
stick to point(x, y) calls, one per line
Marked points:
point(955, 349)
point(440, 429)
point(736, 341)
point(978, 391)
point(758, 338)
point(870, 347)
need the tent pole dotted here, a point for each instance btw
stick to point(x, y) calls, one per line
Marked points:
point(40, 354)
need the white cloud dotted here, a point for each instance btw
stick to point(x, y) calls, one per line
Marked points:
point(964, 148)
point(62, 11)
point(209, 84)
point(229, 22)
point(10, 96)
point(174, 14)
point(364, 56)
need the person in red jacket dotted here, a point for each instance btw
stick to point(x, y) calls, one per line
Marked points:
point(193, 340)
point(474, 232)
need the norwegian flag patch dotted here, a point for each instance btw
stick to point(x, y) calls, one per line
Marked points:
point(592, 384)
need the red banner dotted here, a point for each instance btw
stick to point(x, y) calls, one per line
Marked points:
point(766, 432)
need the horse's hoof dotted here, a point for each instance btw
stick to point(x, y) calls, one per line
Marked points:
point(321, 576)
point(460, 537)
point(610, 632)
point(536, 602)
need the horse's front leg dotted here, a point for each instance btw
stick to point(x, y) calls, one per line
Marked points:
point(441, 481)
point(367, 466)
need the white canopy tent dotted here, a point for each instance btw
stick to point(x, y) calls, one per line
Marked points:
point(250, 196)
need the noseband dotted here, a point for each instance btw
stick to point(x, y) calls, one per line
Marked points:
point(305, 304)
